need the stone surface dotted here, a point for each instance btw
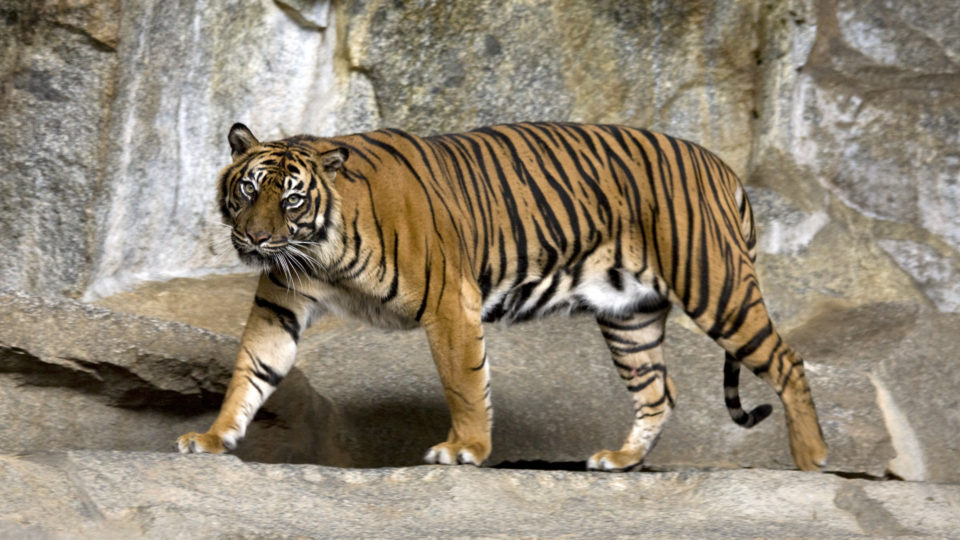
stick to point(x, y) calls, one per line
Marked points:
point(113, 126)
point(80, 376)
point(807, 259)
point(114, 114)
point(56, 79)
point(185, 73)
point(857, 119)
point(663, 65)
point(909, 354)
point(97, 494)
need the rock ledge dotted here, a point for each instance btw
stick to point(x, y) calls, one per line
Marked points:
point(112, 494)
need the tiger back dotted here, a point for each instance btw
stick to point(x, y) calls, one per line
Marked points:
point(509, 222)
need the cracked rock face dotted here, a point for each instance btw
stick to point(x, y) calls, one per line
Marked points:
point(115, 114)
point(79, 376)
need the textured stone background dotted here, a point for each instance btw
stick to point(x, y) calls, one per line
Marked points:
point(846, 114)
point(842, 117)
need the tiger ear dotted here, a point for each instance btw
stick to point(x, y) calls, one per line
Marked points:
point(241, 139)
point(331, 161)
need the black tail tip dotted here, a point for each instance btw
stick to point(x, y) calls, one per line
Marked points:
point(759, 413)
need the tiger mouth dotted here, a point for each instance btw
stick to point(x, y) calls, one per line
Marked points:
point(258, 256)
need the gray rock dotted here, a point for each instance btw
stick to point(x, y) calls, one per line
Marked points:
point(807, 259)
point(909, 354)
point(134, 361)
point(938, 275)
point(662, 65)
point(857, 117)
point(185, 73)
point(96, 494)
point(57, 81)
point(115, 114)
point(128, 382)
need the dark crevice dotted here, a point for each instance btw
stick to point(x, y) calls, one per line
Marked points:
point(848, 475)
point(298, 17)
point(98, 44)
point(118, 385)
point(541, 465)
point(581, 466)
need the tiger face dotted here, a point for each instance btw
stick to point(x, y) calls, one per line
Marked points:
point(278, 198)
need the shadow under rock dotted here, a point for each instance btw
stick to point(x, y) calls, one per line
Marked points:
point(296, 425)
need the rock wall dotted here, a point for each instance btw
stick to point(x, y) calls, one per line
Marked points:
point(113, 125)
point(112, 118)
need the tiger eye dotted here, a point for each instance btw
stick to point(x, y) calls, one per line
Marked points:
point(247, 188)
point(294, 200)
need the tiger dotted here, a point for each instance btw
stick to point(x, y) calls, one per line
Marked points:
point(506, 223)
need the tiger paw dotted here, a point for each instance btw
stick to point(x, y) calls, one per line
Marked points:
point(202, 443)
point(810, 454)
point(449, 453)
point(614, 461)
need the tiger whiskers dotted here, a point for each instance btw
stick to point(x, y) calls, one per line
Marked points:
point(282, 260)
point(303, 254)
point(292, 268)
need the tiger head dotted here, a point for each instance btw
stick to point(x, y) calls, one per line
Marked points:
point(279, 199)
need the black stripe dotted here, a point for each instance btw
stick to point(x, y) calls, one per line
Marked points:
point(426, 287)
point(395, 282)
point(641, 385)
point(638, 348)
point(263, 371)
point(626, 327)
point(751, 347)
point(482, 363)
point(286, 317)
point(255, 387)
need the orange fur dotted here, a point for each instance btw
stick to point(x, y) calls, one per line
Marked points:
point(506, 222)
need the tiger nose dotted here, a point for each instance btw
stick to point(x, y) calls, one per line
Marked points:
point(258, 237)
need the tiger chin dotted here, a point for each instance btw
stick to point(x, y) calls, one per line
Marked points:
point(507, 222)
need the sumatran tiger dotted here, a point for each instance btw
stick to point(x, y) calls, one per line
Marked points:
point(507, 222)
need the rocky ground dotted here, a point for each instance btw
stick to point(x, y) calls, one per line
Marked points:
point(94, 397)
point(128, 494)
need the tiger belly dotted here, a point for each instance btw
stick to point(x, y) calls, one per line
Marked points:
point(609, 292)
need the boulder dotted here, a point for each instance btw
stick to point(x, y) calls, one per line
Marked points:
point(74, 375)
point(856, 118)
point(58, 74)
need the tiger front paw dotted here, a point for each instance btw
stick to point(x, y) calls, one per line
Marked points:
point(202, 443)
point(614, 461)
point(452, 453)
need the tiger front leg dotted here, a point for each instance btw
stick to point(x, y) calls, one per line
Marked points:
point(456, 343)
point(267, 352)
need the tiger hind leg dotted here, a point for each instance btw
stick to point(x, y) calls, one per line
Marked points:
point(635, 343)
point(754, 342)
